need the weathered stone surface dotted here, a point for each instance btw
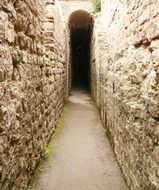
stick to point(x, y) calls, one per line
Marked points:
point(31, 92)
point(125, 85)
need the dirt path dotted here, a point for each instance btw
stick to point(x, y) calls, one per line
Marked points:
point(82, 158)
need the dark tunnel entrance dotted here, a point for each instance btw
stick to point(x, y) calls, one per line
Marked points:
point(80, 24)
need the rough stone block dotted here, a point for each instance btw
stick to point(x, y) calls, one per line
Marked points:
point(3, 24)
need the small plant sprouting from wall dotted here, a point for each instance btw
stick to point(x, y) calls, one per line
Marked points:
point(45, 152)
point(96, 6)
point(49, 147)
point(106, 131)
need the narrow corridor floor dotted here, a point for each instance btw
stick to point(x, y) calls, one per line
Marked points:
point(82, 158)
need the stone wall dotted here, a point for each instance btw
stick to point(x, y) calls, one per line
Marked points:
point(125, 86)
point(98, 49)
point(32, 75)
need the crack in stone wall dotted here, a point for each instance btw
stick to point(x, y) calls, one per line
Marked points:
point(32, 85)
point(125, 86)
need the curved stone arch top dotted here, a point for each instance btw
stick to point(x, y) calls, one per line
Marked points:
point(70, 6)
point(80, 19)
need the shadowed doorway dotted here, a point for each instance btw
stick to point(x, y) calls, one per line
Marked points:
point(80, 25)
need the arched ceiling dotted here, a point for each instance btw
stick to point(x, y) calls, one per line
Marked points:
point(80, 19)
point(70, 6)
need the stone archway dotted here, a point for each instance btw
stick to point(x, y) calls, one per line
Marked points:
point(80, 28)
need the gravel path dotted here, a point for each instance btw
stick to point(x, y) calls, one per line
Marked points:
point(82, 158)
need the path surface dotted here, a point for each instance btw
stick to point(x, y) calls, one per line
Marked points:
point(82, 158)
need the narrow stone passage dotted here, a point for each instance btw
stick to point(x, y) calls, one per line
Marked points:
point(82, 158)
